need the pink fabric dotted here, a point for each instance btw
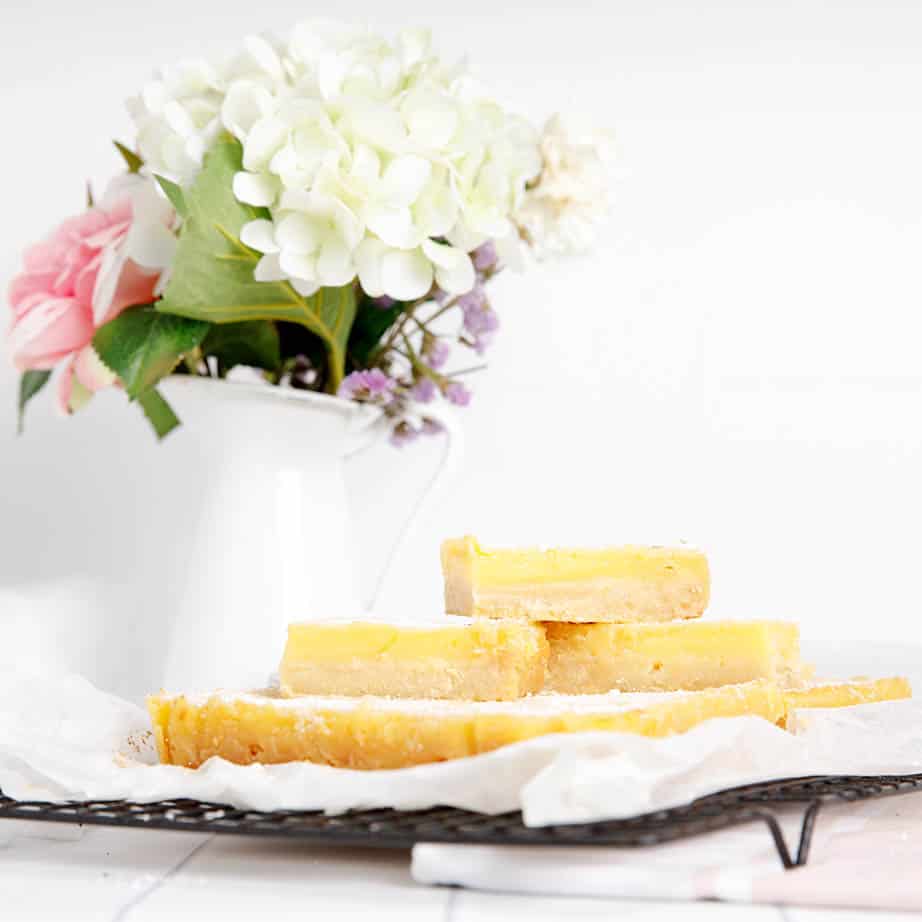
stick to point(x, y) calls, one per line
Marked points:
point(864, 856)
point(72, 283)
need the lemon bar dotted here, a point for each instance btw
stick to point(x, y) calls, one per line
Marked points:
point(674, 655)
point(619, 584)
point(387, 733)
point(481, 660)
point(845, 694)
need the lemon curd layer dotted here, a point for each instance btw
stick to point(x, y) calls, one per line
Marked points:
point(480, 660)
point(387, 733)
point(618, 584)
point(845, 694)
point(668, 656)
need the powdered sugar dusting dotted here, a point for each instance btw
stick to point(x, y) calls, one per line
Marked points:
point(536, 705)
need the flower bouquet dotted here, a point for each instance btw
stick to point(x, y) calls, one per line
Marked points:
point(325, 210)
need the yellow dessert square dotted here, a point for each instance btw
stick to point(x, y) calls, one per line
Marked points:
point(847, 693)
point(480, 660)
point(618, 584)
point(593, 658)
point(388, 733)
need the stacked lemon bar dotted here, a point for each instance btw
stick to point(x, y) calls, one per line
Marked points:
point(549, 641)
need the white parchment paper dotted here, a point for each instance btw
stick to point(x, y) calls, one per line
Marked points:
point(63, 739)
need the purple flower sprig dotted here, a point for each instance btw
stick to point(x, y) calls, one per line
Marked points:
point(480, 320)
point(372, 386)
point(407, 369)
point(424, 390)
point(485, 257)
point(403, 433)
point(435, 351)
point(456, 393)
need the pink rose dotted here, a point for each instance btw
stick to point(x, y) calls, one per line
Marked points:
point(88, 271)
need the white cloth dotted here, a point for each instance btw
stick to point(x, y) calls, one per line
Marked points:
point(864, 855)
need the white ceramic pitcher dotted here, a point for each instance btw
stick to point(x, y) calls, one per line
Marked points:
point(271, 539)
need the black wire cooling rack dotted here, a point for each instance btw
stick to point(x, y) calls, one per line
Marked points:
point(401, 829)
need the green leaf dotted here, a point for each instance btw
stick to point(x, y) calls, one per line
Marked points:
point(30, 384)
point(142, 346)
point(253, 342)
point(371, 323)
point(90, 201)
point(212, 276)
point(174, 193)
point(158, 412)
point(132, 160)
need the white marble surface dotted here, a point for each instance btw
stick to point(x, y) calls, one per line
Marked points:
point(114, 875)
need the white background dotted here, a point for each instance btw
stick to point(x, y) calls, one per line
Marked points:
point(737, 365)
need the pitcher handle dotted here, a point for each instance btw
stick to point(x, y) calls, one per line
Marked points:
point(452, 451)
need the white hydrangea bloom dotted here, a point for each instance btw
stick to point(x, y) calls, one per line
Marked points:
point(374, 159)
point(178, 113)
point(561, 211)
